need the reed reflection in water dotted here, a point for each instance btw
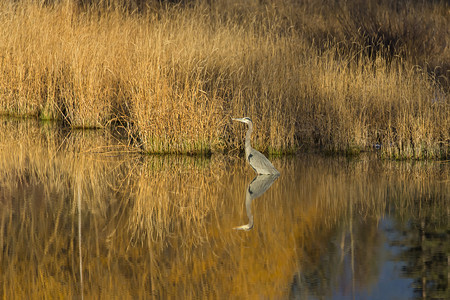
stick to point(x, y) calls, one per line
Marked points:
point(258, 186)
point(81, 218)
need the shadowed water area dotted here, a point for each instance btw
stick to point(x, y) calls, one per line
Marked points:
point(80, 217)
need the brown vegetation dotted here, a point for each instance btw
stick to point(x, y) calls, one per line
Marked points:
point(342, 76)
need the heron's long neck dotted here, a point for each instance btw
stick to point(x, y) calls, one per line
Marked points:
point(248, 208)
point(248, 147)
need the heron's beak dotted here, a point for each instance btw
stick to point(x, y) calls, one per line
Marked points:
point(238, 119)
point(246, 227)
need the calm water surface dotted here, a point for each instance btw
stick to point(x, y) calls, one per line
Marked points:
point(82, 218)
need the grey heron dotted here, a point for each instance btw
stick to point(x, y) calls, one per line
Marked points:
point(259, 185)
point(256, 159)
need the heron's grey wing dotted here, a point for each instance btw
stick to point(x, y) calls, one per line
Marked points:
point(260, 163)
point(261, 184)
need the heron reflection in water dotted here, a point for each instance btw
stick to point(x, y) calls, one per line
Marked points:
point(259, 185)
point(256, 159)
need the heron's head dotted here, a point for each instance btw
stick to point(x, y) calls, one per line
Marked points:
point(243, 120)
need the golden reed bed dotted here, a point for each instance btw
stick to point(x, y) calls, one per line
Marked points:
point(346, 76)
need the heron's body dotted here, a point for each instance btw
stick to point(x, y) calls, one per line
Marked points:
point(256, 159)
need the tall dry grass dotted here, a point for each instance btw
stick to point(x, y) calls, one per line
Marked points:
point(336, 76)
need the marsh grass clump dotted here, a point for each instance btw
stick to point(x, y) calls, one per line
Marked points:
point(338, 76)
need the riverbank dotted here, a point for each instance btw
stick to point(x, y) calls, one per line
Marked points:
point(337, 77)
